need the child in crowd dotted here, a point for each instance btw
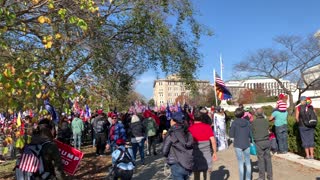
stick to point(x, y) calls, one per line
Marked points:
point(273, 142)
point(281, 103)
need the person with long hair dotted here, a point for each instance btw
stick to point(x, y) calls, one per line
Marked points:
point(205, 148)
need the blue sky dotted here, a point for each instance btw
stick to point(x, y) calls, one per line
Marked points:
point(241, 27)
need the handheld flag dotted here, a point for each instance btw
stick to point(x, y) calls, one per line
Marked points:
point(51, 110)
point(19, 120)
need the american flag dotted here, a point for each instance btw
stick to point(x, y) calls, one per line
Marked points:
point(29, 161)
point(219, 81)
point(222, 91)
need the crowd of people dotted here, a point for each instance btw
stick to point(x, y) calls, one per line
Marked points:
point(190, 139)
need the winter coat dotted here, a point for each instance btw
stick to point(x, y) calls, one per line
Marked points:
point(178, 147)
point(240, 131)
point(51, 157)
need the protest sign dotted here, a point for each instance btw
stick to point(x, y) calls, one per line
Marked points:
point(70, 157)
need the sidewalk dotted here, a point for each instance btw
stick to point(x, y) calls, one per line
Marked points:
point(285, 167)
point(315, 164)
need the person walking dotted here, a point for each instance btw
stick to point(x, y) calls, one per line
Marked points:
point(240, 131)
point(77, 128)
point(64, 131)
point(306, 133)
point(280, 122)
point(137, 137)
point(260, 132)
point(122, 161)
point(52, 163)
point(178, 148)
point(100, 126)
point(151, 128)
point(219, 126)
point(204, 144)
point(116, 132)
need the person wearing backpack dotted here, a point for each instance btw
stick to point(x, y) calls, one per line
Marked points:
point(46, 151)
point(304, 114)
point(151, 128)
point(122, 161)
point(178, 148)
point(100, 126)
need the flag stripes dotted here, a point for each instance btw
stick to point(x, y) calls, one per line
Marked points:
point(29, 163)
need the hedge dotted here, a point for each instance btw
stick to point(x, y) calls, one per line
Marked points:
point(294, 140)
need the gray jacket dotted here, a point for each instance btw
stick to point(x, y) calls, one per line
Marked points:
point(178, 147)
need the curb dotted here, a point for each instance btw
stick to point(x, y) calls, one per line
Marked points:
point(315, 164)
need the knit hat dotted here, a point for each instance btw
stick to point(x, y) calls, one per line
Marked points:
point(100, 111)
point(281, 96)
point(120, 142)
point(178, 117)
point(303, 98)
point(134, 119)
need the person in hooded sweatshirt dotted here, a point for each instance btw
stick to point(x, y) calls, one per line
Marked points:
point(240, 131)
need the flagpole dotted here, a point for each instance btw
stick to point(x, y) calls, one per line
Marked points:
point(221, 66)
point(214, 85)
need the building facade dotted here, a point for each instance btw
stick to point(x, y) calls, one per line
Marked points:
point(268, 85)
point(167, 90)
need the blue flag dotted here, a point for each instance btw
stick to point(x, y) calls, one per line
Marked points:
point(168, 112)
point(51, 110)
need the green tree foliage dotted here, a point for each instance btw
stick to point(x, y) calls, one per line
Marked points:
point(75, 47)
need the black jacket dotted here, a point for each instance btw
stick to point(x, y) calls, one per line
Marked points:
point(137, 129)
point(178, 147)
point(51, 157)
point(240, 131)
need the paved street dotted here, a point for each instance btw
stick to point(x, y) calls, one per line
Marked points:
point(226, 168)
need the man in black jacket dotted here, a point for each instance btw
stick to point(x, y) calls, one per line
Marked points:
point(100, 126)
point(260, 129)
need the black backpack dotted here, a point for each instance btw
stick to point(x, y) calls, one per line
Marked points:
point(310, 118)
point(124, 157)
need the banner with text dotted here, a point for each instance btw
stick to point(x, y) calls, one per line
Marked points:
point(70, 157)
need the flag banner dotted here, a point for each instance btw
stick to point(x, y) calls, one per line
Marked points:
point(51, 110)
point(70, 157)
point(222, 91)
point(168, 112)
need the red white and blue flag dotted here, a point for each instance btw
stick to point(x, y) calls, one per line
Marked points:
point(29, 162)
point(222, 91)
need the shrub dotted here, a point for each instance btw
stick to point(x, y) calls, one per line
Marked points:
point(294, 140)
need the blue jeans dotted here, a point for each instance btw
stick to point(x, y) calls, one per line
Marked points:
point(77, 141)
point(140, 146)
point(179, 173)
point(282, 137)
point(243, 156)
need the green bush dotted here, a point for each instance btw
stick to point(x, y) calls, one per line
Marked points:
point(294, 140)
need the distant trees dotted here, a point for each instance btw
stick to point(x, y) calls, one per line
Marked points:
point(248, 96)
point(288, 60)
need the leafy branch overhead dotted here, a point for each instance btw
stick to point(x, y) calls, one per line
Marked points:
point(112, 42)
